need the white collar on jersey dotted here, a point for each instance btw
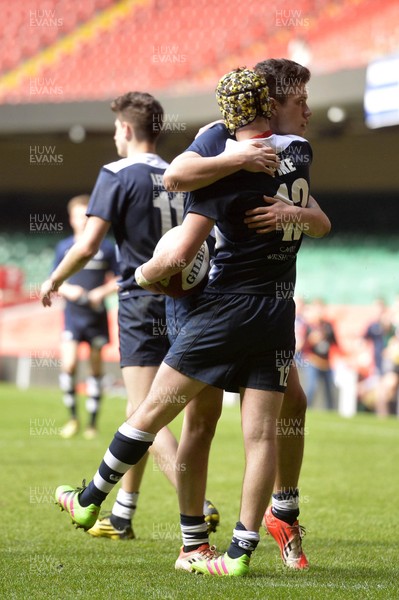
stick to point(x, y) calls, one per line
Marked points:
point(145, 158)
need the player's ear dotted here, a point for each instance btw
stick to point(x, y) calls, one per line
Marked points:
point(273, 106)
point(127, 130)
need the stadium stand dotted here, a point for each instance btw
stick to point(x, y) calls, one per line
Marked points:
point(342, 37)
point(45, 22)
point(99, 47)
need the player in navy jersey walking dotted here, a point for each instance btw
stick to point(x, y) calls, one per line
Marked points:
point(129, 198)
point(85, 319)
point(239, 304)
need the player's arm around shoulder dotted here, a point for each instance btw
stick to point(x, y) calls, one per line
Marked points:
point(171, 260)
point(193, 170)
point(318, 224)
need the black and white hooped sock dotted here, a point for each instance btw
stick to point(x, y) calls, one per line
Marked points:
point(126, 449)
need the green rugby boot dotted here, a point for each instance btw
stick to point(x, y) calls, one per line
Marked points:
point(67, 499)
point(223, 566)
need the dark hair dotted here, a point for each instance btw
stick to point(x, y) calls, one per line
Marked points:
point(143, 112)
point(283, 77)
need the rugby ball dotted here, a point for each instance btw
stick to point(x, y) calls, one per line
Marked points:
point(191, 276)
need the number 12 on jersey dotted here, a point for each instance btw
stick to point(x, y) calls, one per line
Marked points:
point(299, 195)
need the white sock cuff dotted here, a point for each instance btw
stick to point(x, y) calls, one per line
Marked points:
point(92, 405)
point(127, 498)
point(68, 400)
point(136, 434)
point(291, 503)
point(249, 536)
point(190, 529)
point(66, 382)
point(93, 386)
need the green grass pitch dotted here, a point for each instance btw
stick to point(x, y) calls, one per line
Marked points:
point(349, 488)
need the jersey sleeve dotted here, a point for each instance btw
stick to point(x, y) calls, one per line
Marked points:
point(204, 207)
point(211, 201)
point(106, 196)
point(212, 142)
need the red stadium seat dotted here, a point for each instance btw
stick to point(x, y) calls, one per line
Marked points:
point(172, 44)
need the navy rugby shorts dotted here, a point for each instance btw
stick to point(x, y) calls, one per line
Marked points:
point(86, 326)
point(143, 338)
point(177, 312)
point(236, 340)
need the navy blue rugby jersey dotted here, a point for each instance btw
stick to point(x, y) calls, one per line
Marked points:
point(130, 194)
point(247, 262)
point(93, 273)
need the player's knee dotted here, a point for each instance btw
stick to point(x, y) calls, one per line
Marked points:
point(202, 428)
point(295, 402)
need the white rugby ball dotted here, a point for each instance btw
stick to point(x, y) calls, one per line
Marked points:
point(191, 276)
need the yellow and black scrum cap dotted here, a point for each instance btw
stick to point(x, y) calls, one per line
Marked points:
point(242, 95)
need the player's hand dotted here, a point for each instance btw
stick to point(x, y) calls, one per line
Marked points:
point(47, 290)
point(95, 298)
point(73, 293)
point(155, 288)
point(256, 156)
point(273, 217)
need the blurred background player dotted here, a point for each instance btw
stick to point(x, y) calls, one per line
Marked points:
point(378, 333)
point(129, 197)
point(85, 319)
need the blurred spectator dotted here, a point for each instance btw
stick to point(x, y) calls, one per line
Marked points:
point(388, 400)
point(320, 338)
point(378, 333)
point(372, 392)
point(300, 329)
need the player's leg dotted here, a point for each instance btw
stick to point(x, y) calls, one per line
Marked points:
point(118, 525)
point(281, 519)
point(94, 389)
point(198, 516)
point(143, 344)
point(200, 419)
point(329, 388)
point(312, 378)
point(69, 359)
point(138, 381)
point(259, 412)
point(387, 393)
point(199, 425)
point(290, 433)
point(169, 394)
